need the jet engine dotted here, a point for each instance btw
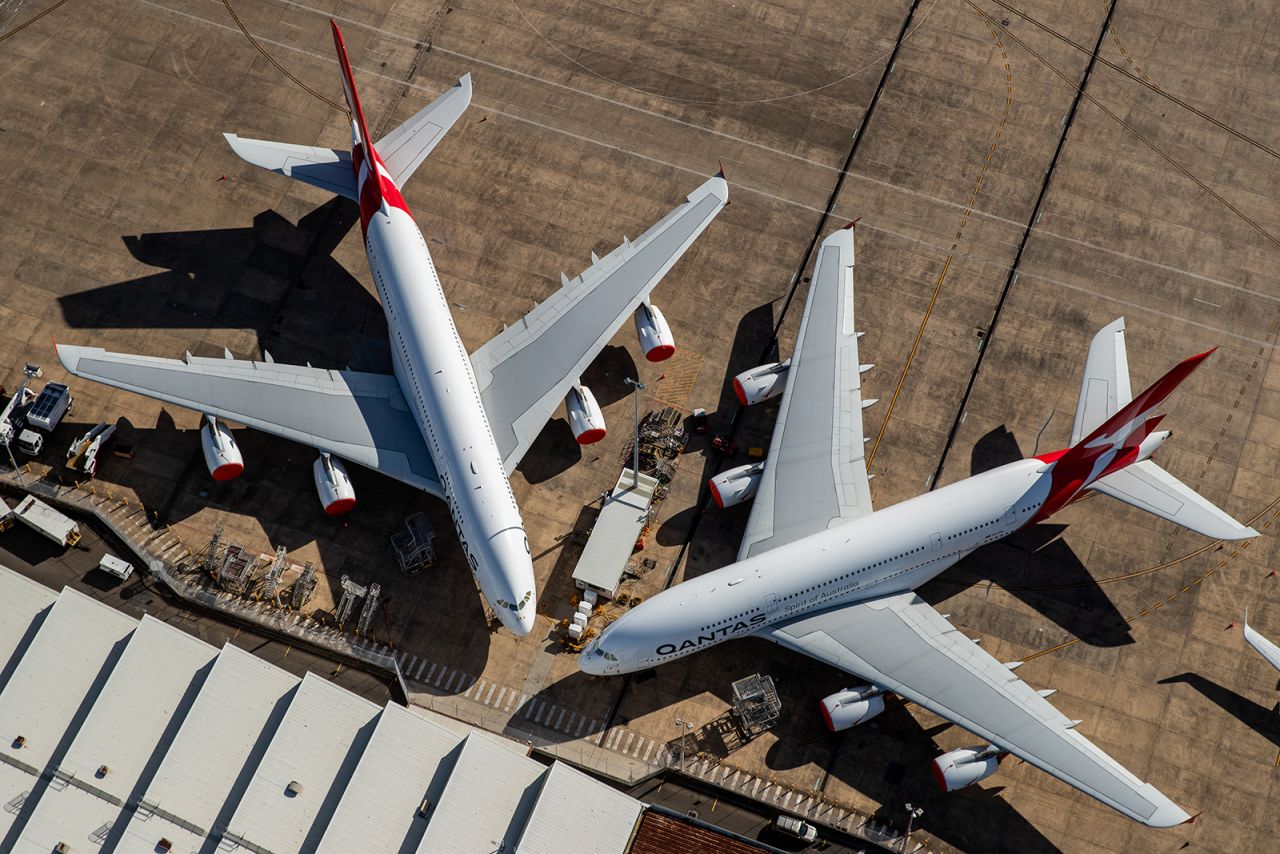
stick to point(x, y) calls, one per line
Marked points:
point(736, 485)
point(221, 453)
point(655, 336)
point(333, 485)
point(585, 418)
point(852, 706)
point(965, 766)
point(760, 384)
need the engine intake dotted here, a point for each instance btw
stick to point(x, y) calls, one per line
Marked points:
point(852, 706)
point(333, 485)
point(735, 486)
point(585, 418)
point(965, 766)
point(655, 336)
point(759, 384)
point(221, 453)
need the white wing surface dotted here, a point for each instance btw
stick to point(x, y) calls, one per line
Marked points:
point(326, 168)
point(407, 146)
point(815, 476)
point(526, 370)
point(1265, 648)
point(1148, 487)
point(903, 645)
point(358, 416)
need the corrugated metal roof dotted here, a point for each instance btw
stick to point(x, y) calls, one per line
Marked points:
point(576, 812)
point(317, 746)
point(489, 796)
point(155, 679)
point(220, 742)
point(53, 679)
point(664, 834)
point(613, 538)
point(22, 601)
point(407, 761)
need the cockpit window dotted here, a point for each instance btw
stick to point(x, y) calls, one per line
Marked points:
point(512, 606)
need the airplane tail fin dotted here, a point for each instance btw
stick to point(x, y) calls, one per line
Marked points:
point(360, 130)
point(1114, 434)
point(400, 152)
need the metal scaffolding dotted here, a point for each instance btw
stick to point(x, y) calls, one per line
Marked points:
point(212, 557)
point(415, 545)
point(370, 605)
point(300, 593)
point(271, 583)
point(351, 593)
point(237, 568)
point(756, 704)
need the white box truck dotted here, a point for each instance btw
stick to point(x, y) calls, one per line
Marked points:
point(121, 569)
point(43, 519)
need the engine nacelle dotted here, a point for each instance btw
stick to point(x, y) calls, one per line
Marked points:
point(221, 453)
point(965, 766)
point(759, 384)
point(585, 418)
point(333, 485)
point(736, 485)
point(655, 336)
point(1152, 443)
point(852, 706)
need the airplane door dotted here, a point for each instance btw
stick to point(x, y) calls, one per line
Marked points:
point(936, 538)
point(770, 604)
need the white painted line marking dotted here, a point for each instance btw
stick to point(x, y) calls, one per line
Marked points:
point(493, 686)
point(613, 737)
point(412, 662)
point(467, 693)
point(648, 751)
point(627, 747)
point(535, 706)
point(501, 694)
point(432, 671)
point(559, 720)
point(581, 723)
point(1206, 302)
point(421, 666)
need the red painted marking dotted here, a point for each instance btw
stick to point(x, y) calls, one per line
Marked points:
point(661, 353)
point(227, 471)
point(376, 188)
point(590, 437)
point(740, 392)
point(938, 776)
point(342, 505)
point(826, 716)
point(854, 224)
point(1074, 468)
point(715, 493)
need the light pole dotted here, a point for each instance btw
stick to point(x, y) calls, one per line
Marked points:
point(684, 727)
point(913, 813)
point(635, 451)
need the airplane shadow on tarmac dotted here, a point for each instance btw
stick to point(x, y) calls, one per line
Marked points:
point(1259, 718)
point(1035, 565)
point(275, 278)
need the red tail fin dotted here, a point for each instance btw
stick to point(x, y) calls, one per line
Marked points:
point(349, 88)
point(1114, 444)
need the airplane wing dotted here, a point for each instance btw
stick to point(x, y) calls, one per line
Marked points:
point(358, 416)
point(903, 645)
point(1265, 648)
point(526, 370)
point(815, 476)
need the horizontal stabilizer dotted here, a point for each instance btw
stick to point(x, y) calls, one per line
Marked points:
point(407, 146)
point(1148, 487)
point(326, 168)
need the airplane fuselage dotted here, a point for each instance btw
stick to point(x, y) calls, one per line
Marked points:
point(890, 551)
point(435, 375)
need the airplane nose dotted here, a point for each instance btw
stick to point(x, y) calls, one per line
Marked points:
point(588, 663)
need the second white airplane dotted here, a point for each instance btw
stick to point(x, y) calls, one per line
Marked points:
point(453, 425)
point(820, 573)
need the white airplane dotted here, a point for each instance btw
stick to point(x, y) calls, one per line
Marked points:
point(452, 425)
point(820, 573)
point(1265, 647)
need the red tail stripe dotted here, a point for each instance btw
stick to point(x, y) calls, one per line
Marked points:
point(349, 81)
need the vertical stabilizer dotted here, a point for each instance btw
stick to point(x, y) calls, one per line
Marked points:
point(349, 89)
